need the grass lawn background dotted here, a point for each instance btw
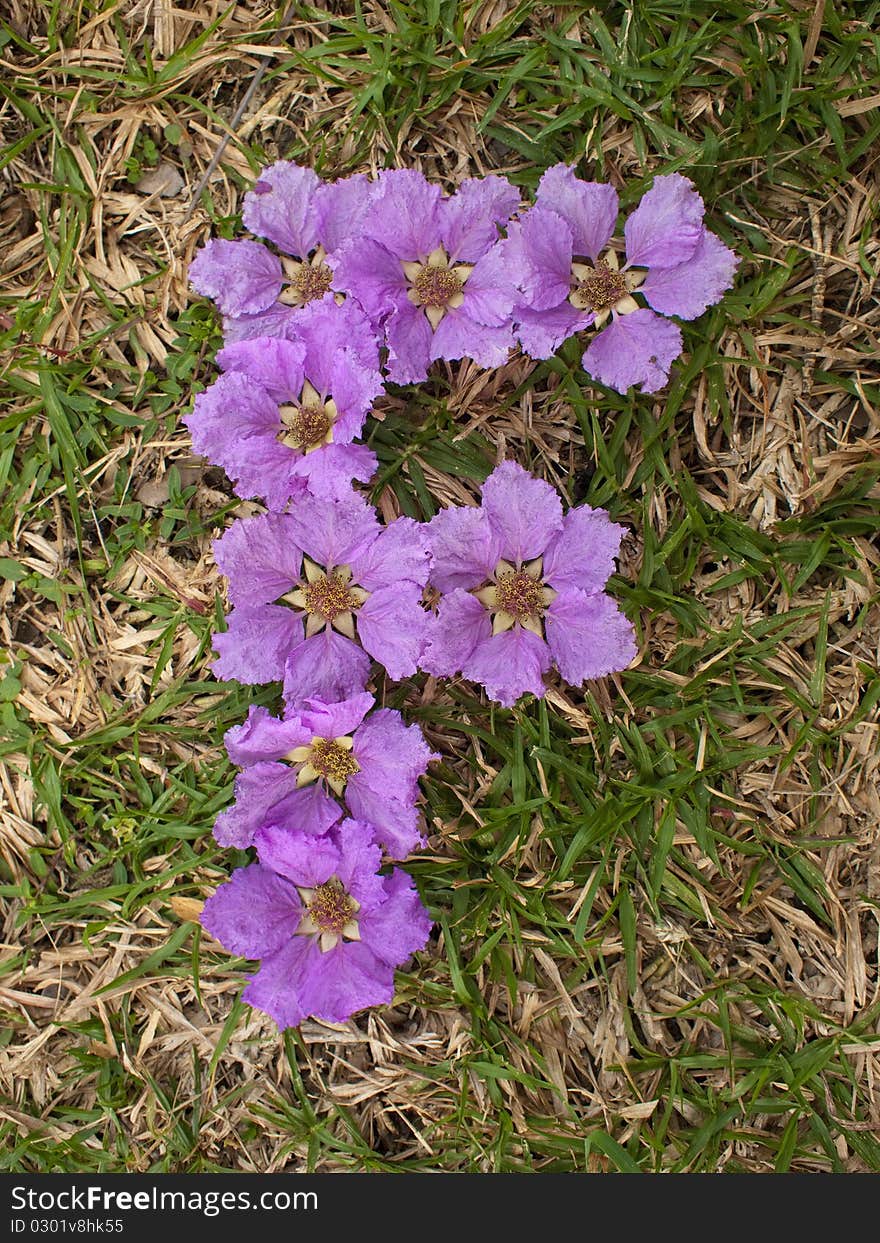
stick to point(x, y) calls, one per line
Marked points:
point(657, 897)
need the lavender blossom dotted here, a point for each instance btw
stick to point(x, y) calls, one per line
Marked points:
point(282, 419)
point(327, 929)
point(522, 589)
point(571, 280)
point(432, 270)
point(307, 770)
point(319, 591)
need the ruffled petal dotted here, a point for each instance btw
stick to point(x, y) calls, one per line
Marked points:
point(588, 636)
point(464, 547)
point(279, 320)
point(392, 625)
point(256, 644)
point(589, 208)
point(688, 289)
point(300, 980)
point(392, 755)
point(303, 858)
point(342, 207)
point(396, 823)
point(582, 553)
point(241, 277)
point(275, 364)
point(275, 987)
point(540, 333)
point(359, 861)
point(333, 532)
point(400, 552)
point(260, 557)
point(328, 471)
point(371, 274)
point(282, 208)
point(634, 349)
point(326, 666)
point(469, 220)
point(665, 228)
point(401, 925)
point(523, 511)
point(510, 664)
point(266, 793)
point(339, 340)
point(409, 339)
point(461, 626)
point(264, 737)
point(334, 720)
point(490, 291)
point(460, 336)
point(405, 216)
point(544, 241)
point(253, 913)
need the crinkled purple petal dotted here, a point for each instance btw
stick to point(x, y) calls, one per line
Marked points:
point(544, 242)
point(540, 333)
point(334, 720)
point(401, 925)
point(326, 666)
point(392, 627)
point(581, 554)
point(665, 228)
point(303, 858)
point(588, 636)
point(409, 339)
point(469, 220)
point(524, 511)
point(333, 532)
point(405, 215)
point(459, 336)
point(490, 291)
point(300, 980)
point(278, 321)
point(338, 340)
point(257, 643)
point(253, 913)
point(461, 626)
point(588, 207)
point(282, 208)
point(372, 275)
point(266, 793)
point(688, 289)
point(328, 471)
point(464, 547)
point(241, 277)
point(510, 664)
point(342, 207)
point(634, 349)
point(359, 861)
point(401, 551)
point(392, 755)
point(274, 989)
point(397, 824)
point(273, 363)
point(264, 737)
point(260, 557)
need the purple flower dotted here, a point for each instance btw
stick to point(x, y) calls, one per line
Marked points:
point(522, 589)
point(327, 929)
point(305, 218)
point(317, 592)
point(282, 419)
point(306, 770)
point(570, 280)
point(433, 271)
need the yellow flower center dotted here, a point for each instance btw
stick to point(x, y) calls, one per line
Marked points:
point(312, 282)
point(332, 760)
point(328, 596)
point(436, 286)
point(602, 288)
point(520, 595)
point(331, 908)
point(305, 426)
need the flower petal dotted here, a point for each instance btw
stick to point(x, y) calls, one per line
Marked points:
point(253, 913)
point(523, 511)
point(305, 859)
point(464, 547)
point(582, 553)
point(688, 289)
point(266, 793)
point(396, 823)
point(392, 627)
point(405, 216)
point(588, 207)
point(545, 244)
point(274, 989)
point(359, 861)
point(460, 336)
point(300, 980)
point(334, 720)
point(409, 337)
point(282, 208)
point(341, 208)
point(461, 626)
point(540, 333)
point(275, 364)
point(634, 349)
point(278, 320)
point(256, 644)
point(401, 925)
point(264, 737)
point(665, 228)
point(470, 218)
point(400, 552)
point(371, 274)
point(241, 277)
point(260, 557)
point(341, 351)
point(588, 636)
point(328, 471)
point(491, 289)
point(510, 664)
point(392, 755)
point(326, 666)
point(333, 532)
